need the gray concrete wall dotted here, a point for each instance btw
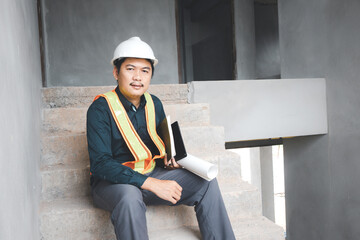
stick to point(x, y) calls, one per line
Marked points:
point(267, 182)
point(20, 79)
point(244, 39)
point(81, 36)
point(267, 63)
point(321, 39)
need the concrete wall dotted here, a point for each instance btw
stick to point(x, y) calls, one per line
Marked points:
point(267, 63)
point(256, 40)
point(244, 39)
point(321, 39)
point(267, 182)
point(81, 36)
point(211, 40)
point(20, 79)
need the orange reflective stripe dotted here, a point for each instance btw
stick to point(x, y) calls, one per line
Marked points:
point(129, 164)
point(144, 162)
point(150, 166)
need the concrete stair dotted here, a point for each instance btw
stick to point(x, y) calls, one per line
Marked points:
point(83, 96)
point(66, 210)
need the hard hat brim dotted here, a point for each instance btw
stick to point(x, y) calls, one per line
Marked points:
point(155, 61)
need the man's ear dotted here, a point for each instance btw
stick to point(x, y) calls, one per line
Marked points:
point(115, 73)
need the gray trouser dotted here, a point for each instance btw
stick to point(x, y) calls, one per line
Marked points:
point(127, 205)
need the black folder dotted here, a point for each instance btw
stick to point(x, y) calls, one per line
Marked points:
point(179, 143)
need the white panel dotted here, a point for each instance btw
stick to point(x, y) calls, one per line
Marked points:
point(263, 109)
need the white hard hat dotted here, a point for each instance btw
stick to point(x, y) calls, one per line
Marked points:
point(134, 47)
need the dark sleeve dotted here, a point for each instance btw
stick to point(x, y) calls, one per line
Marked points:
point(102, 164)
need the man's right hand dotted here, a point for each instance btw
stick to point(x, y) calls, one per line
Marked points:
point(168, 190)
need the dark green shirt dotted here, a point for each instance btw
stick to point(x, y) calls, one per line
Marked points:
point(107, 148)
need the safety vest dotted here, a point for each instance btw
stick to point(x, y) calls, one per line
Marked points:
point(144, 161)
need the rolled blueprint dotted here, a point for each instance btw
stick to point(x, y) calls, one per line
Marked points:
point(199, 167)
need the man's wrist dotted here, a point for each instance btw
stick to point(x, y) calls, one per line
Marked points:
point(137, 179)
point(147, 185)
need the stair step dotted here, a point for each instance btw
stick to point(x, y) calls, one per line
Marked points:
point(80, 220)
point(71, 179)
point(74, 119)
point(229, 164)
point(59, 212)
point(68, 148)
point(63, 147)
point(258, 228)
point(64, 182)
point(203, 138)
point(77, 216)
point(180, 233)
point(255, 228)
point(56, 97)
point(188, 114)
point(59, 182)
point(74, 219)
point(241, 200)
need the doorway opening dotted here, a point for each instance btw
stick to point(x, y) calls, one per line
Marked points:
point(267, 57)
point(206, 39)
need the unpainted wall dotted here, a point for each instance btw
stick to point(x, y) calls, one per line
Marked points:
point(80, 38)
point(320, 39)
point(20, 78)
point(267, 63)
point(211, 40)
point(244, 31)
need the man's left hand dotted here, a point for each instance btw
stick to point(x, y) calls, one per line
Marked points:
point(171, 164)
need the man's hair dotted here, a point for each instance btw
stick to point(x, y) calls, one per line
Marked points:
point(119, 61)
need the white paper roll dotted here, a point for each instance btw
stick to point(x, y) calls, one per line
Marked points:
point(199, 167)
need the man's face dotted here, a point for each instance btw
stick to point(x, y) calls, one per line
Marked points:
point(134, 77)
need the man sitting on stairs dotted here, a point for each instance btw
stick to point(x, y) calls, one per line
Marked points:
point(123, 146)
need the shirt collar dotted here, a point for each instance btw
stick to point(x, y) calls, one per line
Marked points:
point(127, 104)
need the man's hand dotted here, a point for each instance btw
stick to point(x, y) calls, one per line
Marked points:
point(165, 189)
point(171, 164)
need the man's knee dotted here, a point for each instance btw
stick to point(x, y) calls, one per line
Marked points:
point(108, 196)
point(210, 190)
point(128, 195)
point(213, 188)
point(129, 201)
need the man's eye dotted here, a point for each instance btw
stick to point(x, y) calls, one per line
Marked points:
point(130, 69)
point(145, 71)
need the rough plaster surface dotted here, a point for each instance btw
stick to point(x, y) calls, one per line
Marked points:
point(20, 77)
point(81, 36)
point(320, 39)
